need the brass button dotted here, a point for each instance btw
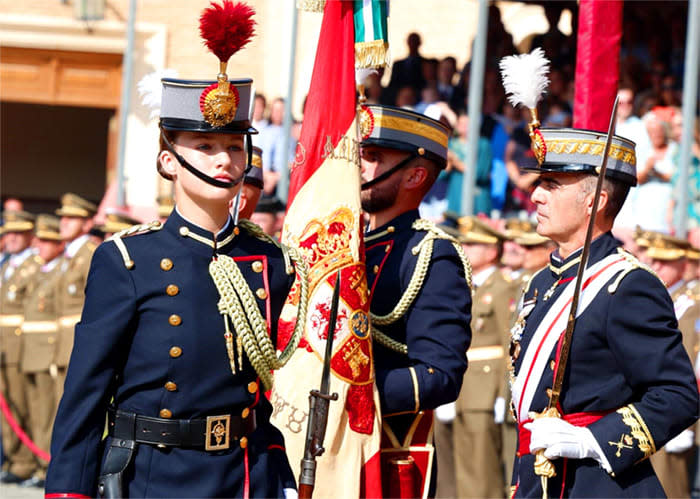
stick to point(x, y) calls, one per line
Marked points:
point(375, 269)
point(166, 264)
point(175, 352)
point(170, 386)
point(252, 387)
point(431, 370)
point(244, 442)
point(487, 369)
point(245, 413)
point(549, 392)
point(257, 266)
point(552, 365)
point(390, 229)
point(184, 231)
point(262, 294)
point(165, 413)
point(172, 290)
point(51, 340)
point(18, 332)
point(174, 320)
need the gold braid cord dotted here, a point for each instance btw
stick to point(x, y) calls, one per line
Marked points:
point(134, 229)
point(239, 305)
point(424, 250)
point(633, 264)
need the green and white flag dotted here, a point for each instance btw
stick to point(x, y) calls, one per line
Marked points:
point(371, 35)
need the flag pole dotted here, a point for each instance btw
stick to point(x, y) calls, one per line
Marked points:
point(283, 183)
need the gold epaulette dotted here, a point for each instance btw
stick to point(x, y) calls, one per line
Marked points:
point(634, 264)
point(133, 230)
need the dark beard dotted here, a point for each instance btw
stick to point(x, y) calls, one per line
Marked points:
point(380, 197)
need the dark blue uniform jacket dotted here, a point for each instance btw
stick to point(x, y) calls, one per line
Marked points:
point(158, 324)
point(435, 328)
point(627, 363)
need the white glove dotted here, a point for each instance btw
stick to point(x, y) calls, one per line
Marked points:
point(561, 439)
point(681, 442)
point(499, 410)
point(291, 494)
point(446, 413)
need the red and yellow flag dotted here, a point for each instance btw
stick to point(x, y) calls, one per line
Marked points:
point(324, 222)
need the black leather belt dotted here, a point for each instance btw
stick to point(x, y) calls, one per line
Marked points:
point(212, 433)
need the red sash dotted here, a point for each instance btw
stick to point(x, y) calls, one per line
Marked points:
point(576, 419)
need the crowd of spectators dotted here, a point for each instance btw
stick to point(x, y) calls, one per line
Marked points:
point(650, 85)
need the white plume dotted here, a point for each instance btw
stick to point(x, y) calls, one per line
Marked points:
point(361, 74)
point(151, 89)
point(525, 77)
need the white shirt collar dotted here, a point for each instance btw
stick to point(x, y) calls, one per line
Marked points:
point(480, 277)
point(73, 246)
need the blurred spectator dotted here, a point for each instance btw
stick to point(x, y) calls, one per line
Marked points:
point(12, 204)
point(559, 115)
point(272, 142)
point(693, 185)
point(429, 95)
point(653, 193)
point(457, 157)
point(559, 48)
point(519, 155)
point(447, 69)
point(259, 108)
point(408, 71)
point(406, 97)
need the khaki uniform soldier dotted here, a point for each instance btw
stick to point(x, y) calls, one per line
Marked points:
point(115, 221)
point(480, 408)
point(668, 256)
point(536, 251)
point(17, 272)
point(76, 220)
point(39, 334)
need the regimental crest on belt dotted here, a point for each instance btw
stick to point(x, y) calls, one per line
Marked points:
point(366, 122)
point(218, 433)
point(219, 105)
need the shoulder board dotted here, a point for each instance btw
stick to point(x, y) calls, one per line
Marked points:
point(133, 230)
point(528, 282)
point(434, 232)
point(632, 264)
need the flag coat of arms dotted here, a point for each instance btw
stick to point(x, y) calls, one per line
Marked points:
point(324, 222)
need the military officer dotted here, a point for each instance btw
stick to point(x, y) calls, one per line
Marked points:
point(116, 221)
point(252, 186)
point(17, 272)
point(481, 406)
point(76, 221)
point(628, 386)
point(668, 257)
point(420, 300)
point(178, 328)
point(39, 332)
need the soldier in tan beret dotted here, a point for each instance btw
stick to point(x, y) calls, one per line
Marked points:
point(16, 273)
point(480, 408)
point(116, 221)
point(39, 333)
point(668, 258)
point(76, 221)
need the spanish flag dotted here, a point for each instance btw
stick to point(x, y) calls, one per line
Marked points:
point(324, 222)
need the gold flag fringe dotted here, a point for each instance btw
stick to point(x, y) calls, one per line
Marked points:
point(311, 5)
point(372, 54)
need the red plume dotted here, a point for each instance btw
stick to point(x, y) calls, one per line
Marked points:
point(226, 28)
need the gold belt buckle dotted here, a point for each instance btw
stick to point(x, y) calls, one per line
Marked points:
point(218, 433)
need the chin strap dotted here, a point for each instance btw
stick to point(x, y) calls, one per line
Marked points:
point(389, 172)
point(207, 178)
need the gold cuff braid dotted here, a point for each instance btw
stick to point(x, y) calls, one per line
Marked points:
point(639, 429)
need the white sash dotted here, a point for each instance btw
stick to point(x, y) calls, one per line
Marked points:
point(554, 324)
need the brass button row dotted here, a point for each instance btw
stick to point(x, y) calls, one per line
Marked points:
point(257, 266)
point(170, 386)
point(165, 413)
point(174, 320)
point(253, 387)
point(172, 290)
point(166, 264)
point(261, 293)
point(175, 352)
